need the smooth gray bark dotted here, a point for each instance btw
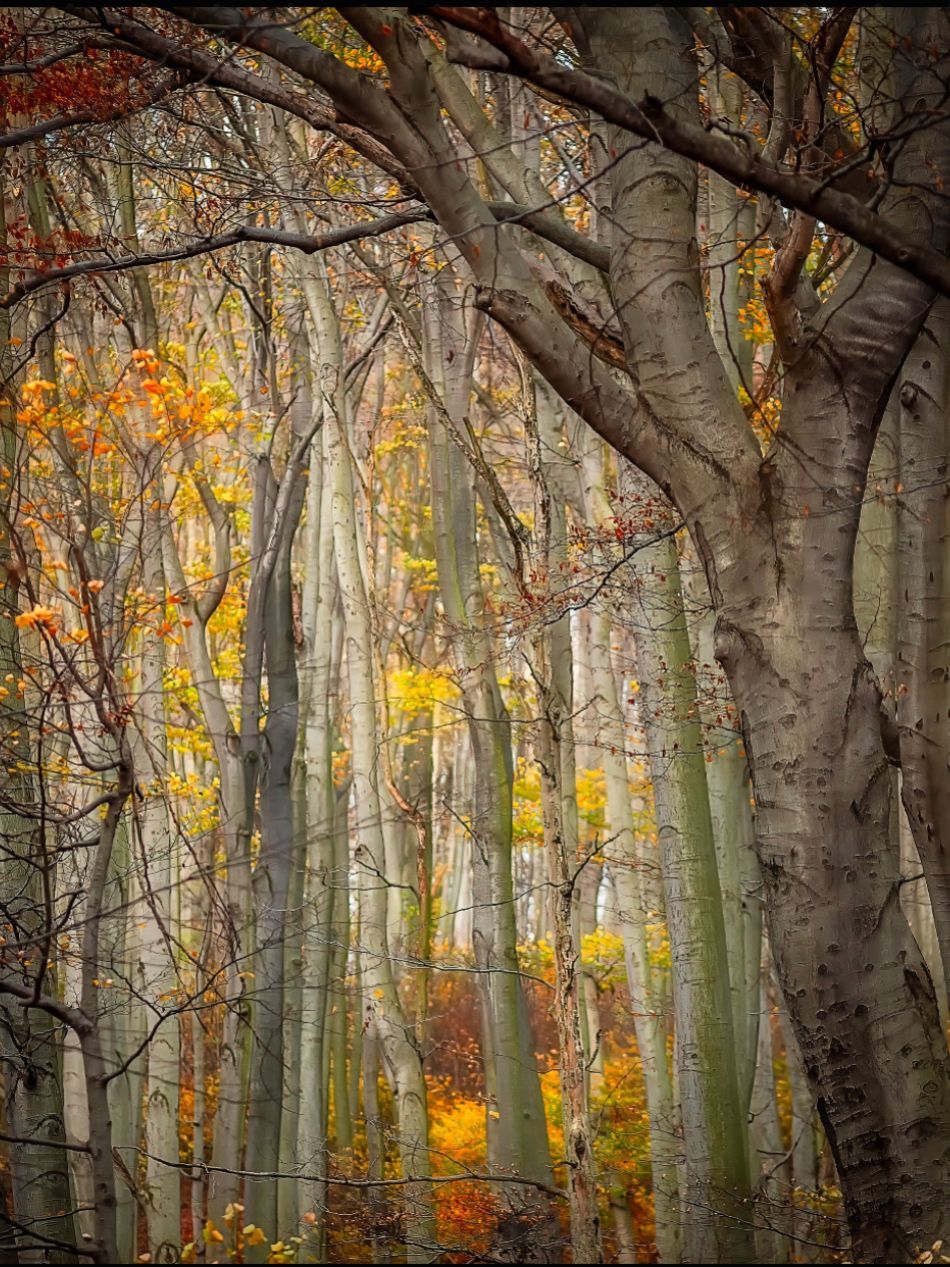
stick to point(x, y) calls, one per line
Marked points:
point(517, 1129)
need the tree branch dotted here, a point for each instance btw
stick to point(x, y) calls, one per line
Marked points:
point(744, 167)
point(309, 244)
point(35, 131)
point(229, 74)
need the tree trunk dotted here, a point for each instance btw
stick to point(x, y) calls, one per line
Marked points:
point(95, 1066)
point(124, 1029)
point(638, 888)
point(551, 667)
point(715, 1203)
point(778, 553)
point(856, 987)
point(29, 1039)
point(562, 872)
point(402, 1060)
point(648, 990)
point(770, 1168)
point(923, 656)
point(517, 1130)
point(271, 583)
point(730, 807)
point(157, 977)
point(316, 670)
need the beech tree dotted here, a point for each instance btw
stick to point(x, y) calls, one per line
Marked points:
point(689, 267)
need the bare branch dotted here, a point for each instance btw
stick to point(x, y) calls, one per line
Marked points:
point(746, 168)
point(243, 233)
point(58, 122)
point(230, 74)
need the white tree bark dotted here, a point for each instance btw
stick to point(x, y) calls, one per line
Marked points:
point(401, 1059)
point(155, 976)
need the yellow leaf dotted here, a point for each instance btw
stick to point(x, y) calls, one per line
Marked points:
point(211, 1235)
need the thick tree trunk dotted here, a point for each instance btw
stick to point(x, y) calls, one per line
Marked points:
point(923, 664)
point(777, 552)
point(855, 984)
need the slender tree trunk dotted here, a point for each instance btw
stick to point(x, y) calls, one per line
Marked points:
point(31, 1044)
point(345, 1013)
point(316, 669)
point(730, 807)
point(401, 1058)
point(29, 1040)
point(199, 1112)
point(590, 879)
point(275, 924)
point(648, 992)
point(552, 670)
point(638, 891)
point(95, 1065)
point(562, 871)
point(516, 1125)
point(804, 1146)
point(771, 1169)
point(271, 888)
point(228, 1143)
point(157, 978)
point(375, 1147)
point(897, 584)
point(715, 1203)
point(123, 1033)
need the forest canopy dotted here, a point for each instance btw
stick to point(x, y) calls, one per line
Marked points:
point(474, 634)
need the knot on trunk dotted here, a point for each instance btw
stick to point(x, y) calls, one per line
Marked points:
point(727, 642)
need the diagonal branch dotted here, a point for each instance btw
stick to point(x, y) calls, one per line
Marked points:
point(35, 131)
point(744, 167)
point(230, 74)
point(309, 244)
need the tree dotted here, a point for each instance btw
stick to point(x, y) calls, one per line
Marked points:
point(838, 117)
